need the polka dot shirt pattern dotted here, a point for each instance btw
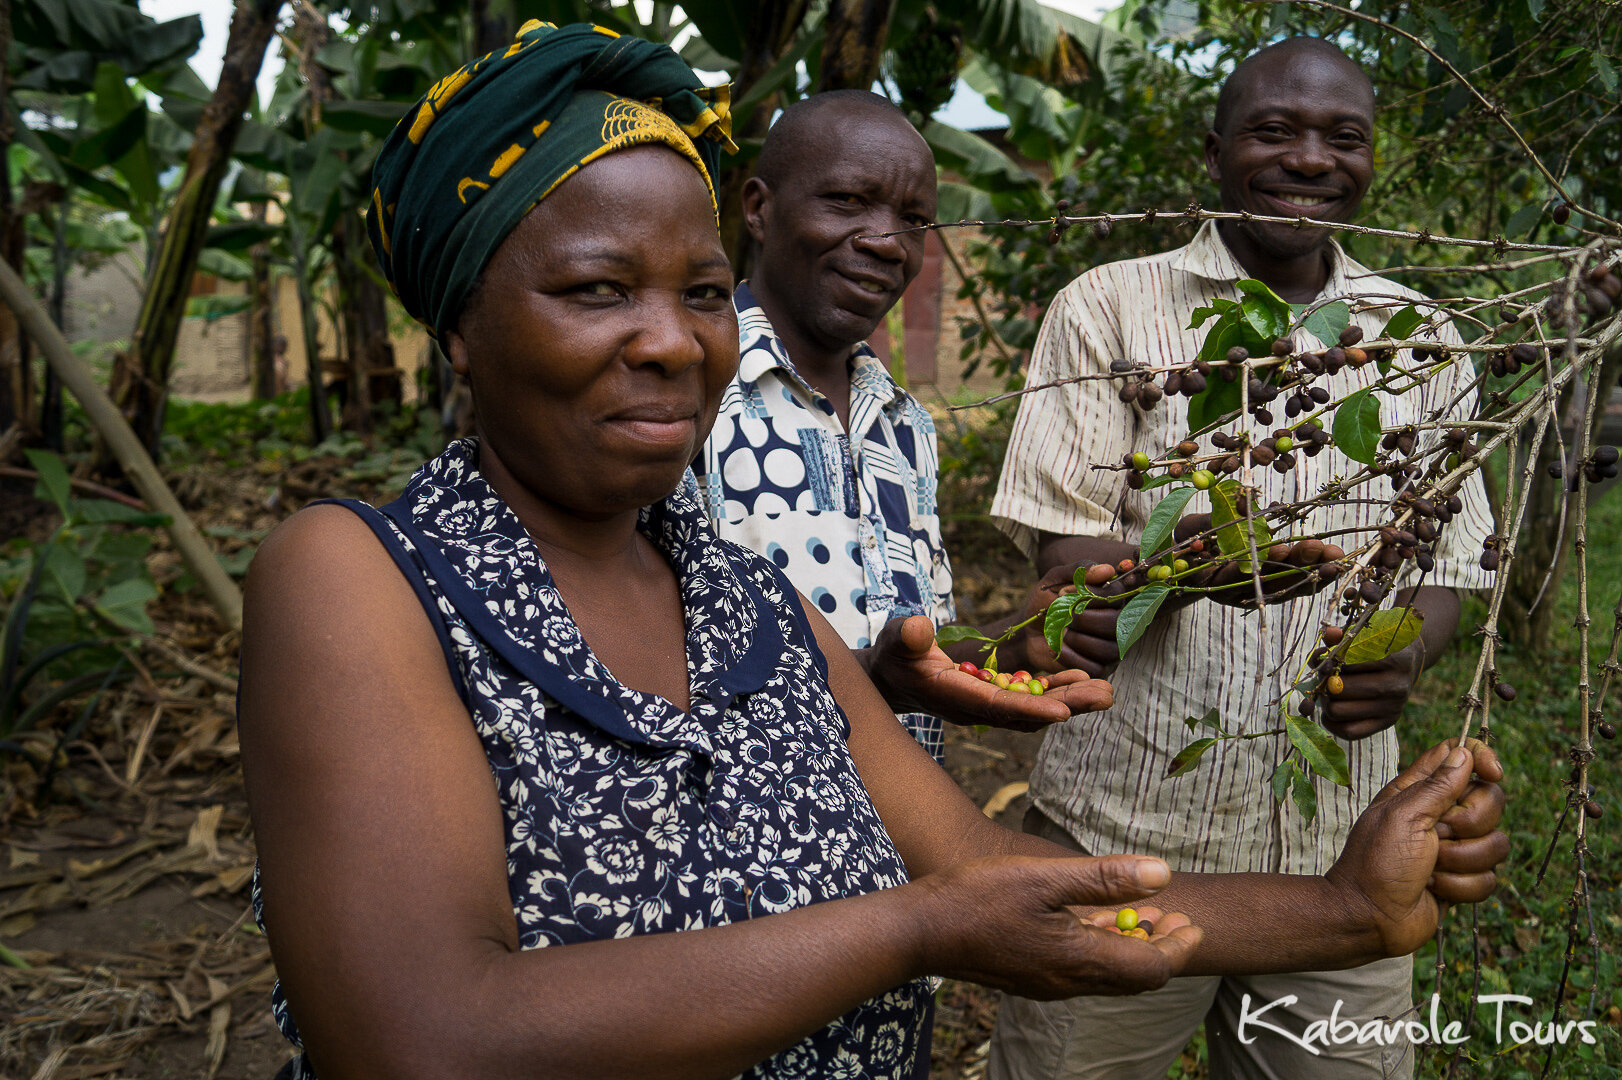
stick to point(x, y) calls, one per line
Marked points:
point(850, 517)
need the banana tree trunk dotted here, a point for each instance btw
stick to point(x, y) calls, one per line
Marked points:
point(141, 376)
point(771, 34)
point(261, 318)
point(854, 45)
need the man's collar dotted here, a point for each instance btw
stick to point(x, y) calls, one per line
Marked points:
point(763, 351)
point(1208, 256)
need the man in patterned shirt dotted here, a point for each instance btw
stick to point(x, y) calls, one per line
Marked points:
point(1293, 135)
point(819, 460)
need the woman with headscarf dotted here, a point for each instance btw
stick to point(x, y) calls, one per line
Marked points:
point(506, 736)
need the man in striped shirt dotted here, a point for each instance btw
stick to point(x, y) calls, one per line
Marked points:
point(1293, 135)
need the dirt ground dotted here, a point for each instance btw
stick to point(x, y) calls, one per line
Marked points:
point(127, 947)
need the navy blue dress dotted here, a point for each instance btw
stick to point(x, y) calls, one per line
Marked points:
point(623, 814)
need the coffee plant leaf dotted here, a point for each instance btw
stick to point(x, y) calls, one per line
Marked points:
point(1324, 323)
point(66, 573)
point(1306, 799)
point(1323, 754)
point(1404, 322)
point(1233, 530)
point(1264, 311)
point(1162, 520)
point(1281, 778)
point(1188, 757)
point(1057, 619)
point(1386, 632)
point(1217, 307)
point(951, 635)
point(1357, 426)
point(1138, 613)
point(1219, 398)
point(1212, 719)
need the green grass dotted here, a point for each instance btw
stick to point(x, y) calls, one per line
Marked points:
point(1521, 932)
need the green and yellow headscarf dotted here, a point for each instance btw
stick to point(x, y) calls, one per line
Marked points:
point(495, 137)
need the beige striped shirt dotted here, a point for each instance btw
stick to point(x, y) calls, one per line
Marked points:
point(1101, 775)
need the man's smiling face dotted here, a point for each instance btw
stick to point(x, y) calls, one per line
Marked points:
point(1298, 140)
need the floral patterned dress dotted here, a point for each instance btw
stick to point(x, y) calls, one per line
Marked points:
point(623, 814)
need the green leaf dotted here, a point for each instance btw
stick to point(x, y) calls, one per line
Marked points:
point(1323, 754)
point(1211, 719)
point(53, 478)
point(1325, 323)
point(125, 604)
point(65, 569)
point(1057, 619)
point(1265, 317)
point(1357, 426)
point(1162, 520)
point(1306, 799)
point(1233, 531)
point(1219, 398)
point(1281, 777)
point(1386, 632)
point(1604, 70)
point(1403, 324)
point(951, 635)
point(1522, 222)
point(1138, 613)
point(1188, 757)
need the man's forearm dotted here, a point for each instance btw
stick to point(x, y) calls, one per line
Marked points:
point(1239, 912)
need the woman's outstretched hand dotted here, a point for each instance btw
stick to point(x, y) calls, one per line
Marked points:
point(1007, 922)
point(915, 674)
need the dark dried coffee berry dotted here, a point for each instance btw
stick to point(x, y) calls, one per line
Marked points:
point(1281, 346)
point(1101, 229)
point(1524, 353)
point(1222, 440)
point(1425, 561)
point(1174, 382)
point(1262, 416)
point(1193, 383)
point(1292, 407)
point(1335, 359)
point(1593, 810)
point(1489, 560)
point(1372, 592)
point(1055, 234)
point(1262, 455)
point(1561, 213)
point(1556, 469)
point(1319, 394)
point(1508, 314)
point(1605, 455)
point(1120, 367)
point(1284, 463)
point(1149, 395)
point(1607, 729)
point(1351, 336)
point(1455, 504)
point(1238, 354)
point(1505, 691)
point(1424, 530)
point(1129, 392)
point(1230, 464)
point(1312, 362)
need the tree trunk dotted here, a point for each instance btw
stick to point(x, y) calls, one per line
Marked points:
point(141, 376)
point(1536, 557)
point(854, 45)
point(492, 29)
point(770, 35)
point(261, 344)
point(15, 407)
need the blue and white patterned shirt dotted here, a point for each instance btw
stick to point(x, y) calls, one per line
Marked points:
point(849, 517)
point(623, 814)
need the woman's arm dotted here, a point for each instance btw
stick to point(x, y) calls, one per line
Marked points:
point(386, 896)
point(1375, 901)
